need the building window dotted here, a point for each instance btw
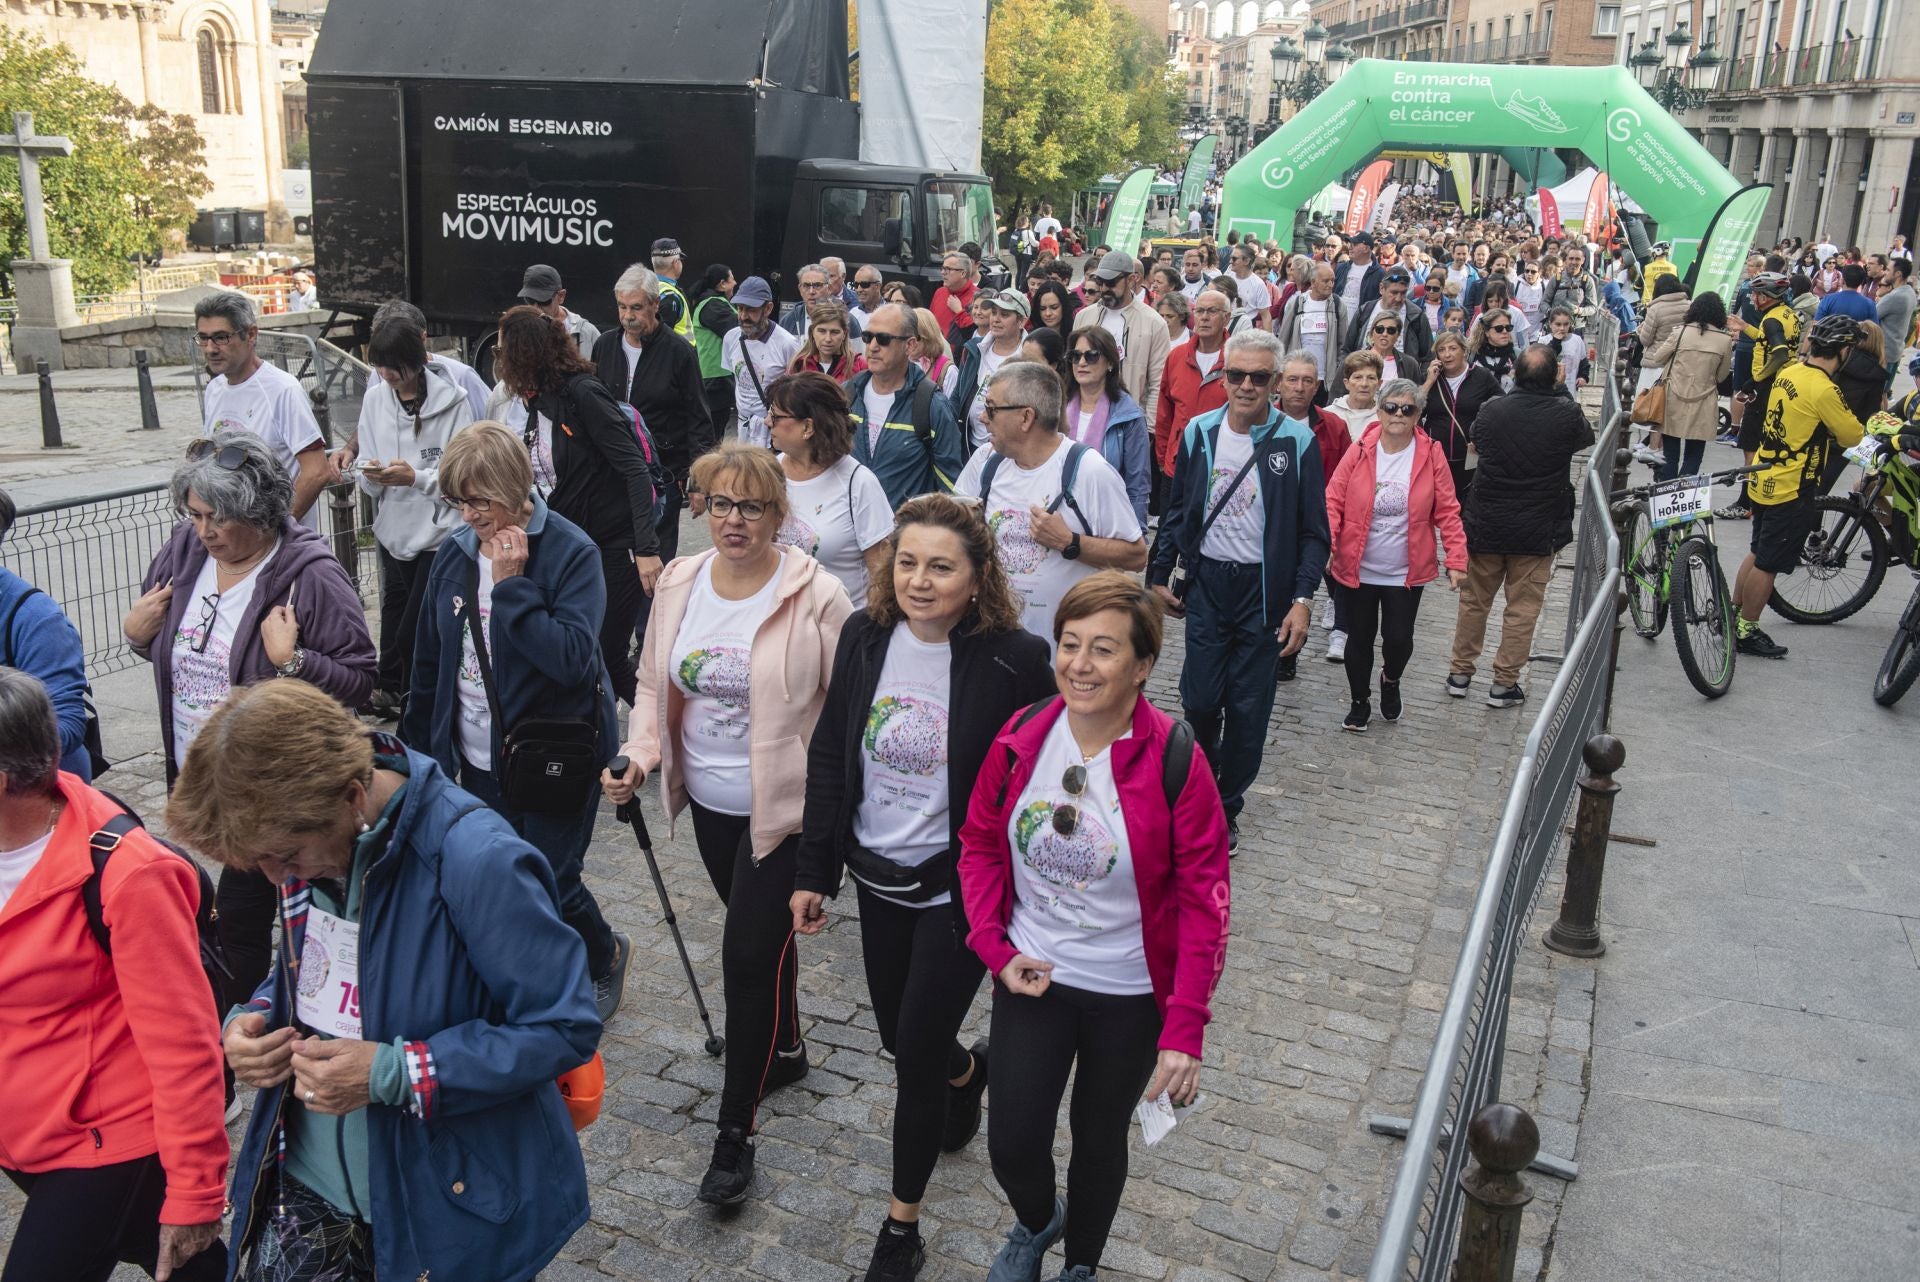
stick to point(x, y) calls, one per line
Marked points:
point(1606, 20)
point(215, 51)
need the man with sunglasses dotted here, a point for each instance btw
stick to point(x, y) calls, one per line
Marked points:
point(1137, 329)
point(1247, 519)
point(903, 427)
point(245, 394)
point(1415, 339)
point(867, 283)
point(953, 301)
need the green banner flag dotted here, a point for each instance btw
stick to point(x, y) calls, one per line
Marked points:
point(1127, 219)
point(1729, 239)
point(1194, 180)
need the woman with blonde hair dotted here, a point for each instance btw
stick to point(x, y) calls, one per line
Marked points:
point(510, 635)
point(826, 348)
point(922, 683)
point(732, 678)
point(928, 349)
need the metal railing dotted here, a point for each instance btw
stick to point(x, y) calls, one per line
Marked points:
point(320, 366)
point(1843, 62)
point(1420, 1226)
point(1532, 44)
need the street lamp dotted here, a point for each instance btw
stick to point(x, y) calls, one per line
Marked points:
point(1676, 81)
point(1300, 74)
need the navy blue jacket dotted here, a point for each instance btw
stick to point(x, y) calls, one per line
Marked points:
point(1293, 494)
point(905, 466)
point(42, 642)
point(464, 956)
point(1369, 281)
point(543, 639)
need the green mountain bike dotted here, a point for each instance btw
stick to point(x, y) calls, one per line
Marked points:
point(1672, 568)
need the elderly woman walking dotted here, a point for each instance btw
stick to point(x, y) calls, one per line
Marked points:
point(242, 592)
point(425, 997)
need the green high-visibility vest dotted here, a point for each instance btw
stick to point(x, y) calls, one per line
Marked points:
point(707, 343)
point(683, 326)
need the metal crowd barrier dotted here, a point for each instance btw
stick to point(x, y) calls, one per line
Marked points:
point(90, 554)
point(1421, 1224)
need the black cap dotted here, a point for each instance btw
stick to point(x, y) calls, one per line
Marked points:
point(540, 284)
point(1361, 238)
point(666, 245)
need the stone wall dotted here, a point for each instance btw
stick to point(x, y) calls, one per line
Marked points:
point(167, 336)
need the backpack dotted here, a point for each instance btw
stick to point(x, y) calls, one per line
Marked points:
point(923, 413)
point(206, 919)
point(91, 736)
point(656, 470)
point(1069, 472)
point(1173, 766)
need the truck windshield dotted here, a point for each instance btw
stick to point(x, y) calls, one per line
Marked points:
point(957, 213)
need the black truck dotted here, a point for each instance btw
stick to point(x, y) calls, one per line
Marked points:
point(454, 144)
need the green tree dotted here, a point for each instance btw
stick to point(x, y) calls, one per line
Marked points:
point(1155, 94)
point(131, 179)
point(1057, 116)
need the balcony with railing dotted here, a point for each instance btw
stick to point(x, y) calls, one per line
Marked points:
point(1400, 18)
point(1844, 62)
point(1533, 44)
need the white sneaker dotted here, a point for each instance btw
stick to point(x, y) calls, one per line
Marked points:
point(1323, 614)
point(1337, 647)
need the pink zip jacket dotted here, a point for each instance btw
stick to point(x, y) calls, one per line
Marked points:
point(1430, 503)
point(1184, 893)
point(791, 660)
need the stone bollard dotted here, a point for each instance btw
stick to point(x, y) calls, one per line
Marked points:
point(149, 407)
point(1504, 1140)
point(49, 413)
point(1577, 932)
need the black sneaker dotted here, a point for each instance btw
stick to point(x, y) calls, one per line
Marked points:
point(731, 1172)
point(1390, 709)
point(963, 1104)
point(1289, 668)
point(1506, 696)
point(788, 1067)
point(1760, 646)
point(385, 705)
point(898, 1254)
point(1233, 836)
point(611, 988)
point(1458, 683)
point(1359, 712)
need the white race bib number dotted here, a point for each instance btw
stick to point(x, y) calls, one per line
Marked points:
point(1865, 452)
point(1678, 506)
point(328, 998)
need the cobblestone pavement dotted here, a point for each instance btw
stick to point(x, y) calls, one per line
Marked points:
point(1357, 868)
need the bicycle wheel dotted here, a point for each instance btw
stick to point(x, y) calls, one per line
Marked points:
point(1901, 665)
point(1703, 618)
point(1645, 601)
point(1841, 566)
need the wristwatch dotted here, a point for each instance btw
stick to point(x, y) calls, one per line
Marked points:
point(1304, 600)
point(1072, 550)
point(291, 668)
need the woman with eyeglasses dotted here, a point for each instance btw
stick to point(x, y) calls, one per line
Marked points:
point(406, 420)
point(837, 510)
point(1455, 391)
point(1383, 335)
point(1497, 295)
point(732, 679)
point(1094, 873)
point(1384, 502)
point(242, 592)
point(509, 632)
point(1101, 415)
point(923, 681)
point(1493, 345)
point(1529, 293)
point(928, 349)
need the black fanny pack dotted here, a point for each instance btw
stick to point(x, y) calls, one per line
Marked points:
point(914, 884)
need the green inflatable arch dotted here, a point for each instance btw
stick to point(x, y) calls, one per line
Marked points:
point(1436, 106)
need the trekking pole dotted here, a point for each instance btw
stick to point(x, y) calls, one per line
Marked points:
point(629, 813)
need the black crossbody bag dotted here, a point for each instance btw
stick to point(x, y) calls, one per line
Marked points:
point(548, 765)
point(1178, 582)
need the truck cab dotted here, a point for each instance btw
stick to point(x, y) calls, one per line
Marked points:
point(899, 221)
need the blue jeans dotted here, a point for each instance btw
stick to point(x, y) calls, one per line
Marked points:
point(1679, 464)
point(563, 839)
point(1226, 687)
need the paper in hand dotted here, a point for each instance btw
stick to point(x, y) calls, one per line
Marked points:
point(1158, 1116)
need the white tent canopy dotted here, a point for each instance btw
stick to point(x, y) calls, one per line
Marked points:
point(1571, 196)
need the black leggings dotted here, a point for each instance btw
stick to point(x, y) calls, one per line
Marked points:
point(1388, 612)
point(758, 962)
point(1036, 1041)
point(403, 586)
point(624, 596)
point(922, 980)
point(78, 1224)
point(247, 903)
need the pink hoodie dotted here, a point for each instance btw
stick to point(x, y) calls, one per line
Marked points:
point(1184, 893)
point(791, 660)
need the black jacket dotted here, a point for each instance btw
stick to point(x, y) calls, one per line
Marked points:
point(1369, 281)
point(1449, 419)
point(1521, 503)
point(602, 482)
point(994, 675)
point(1858, 384)
point(667, 390)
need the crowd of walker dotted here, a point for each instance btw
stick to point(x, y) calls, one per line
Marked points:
point(913, 658)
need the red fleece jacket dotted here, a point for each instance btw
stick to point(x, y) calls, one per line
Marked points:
point(1431, 505)
point(109, 1060)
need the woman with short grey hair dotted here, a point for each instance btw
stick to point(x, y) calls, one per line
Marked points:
point(242, 592)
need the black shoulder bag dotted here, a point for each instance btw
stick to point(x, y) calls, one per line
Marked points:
point(547, 765)
point(1178, 582)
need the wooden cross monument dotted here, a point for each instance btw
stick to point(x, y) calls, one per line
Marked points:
point(28, 148)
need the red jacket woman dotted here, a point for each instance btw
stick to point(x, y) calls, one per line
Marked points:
point(1431, 506)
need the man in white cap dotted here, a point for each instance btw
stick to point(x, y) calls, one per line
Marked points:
point(1115, 305)
point(541, 287)
point(757, 353)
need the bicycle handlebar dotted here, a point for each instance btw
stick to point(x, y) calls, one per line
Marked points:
point(1684, 482)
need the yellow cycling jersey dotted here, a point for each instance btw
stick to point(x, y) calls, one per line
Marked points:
point(1776, 340)
point(1805, 415)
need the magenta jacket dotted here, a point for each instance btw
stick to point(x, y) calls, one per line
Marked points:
point(1431, 505)
point(1184, 893)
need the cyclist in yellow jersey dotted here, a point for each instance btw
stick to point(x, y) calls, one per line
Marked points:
point(1658, 265)
point(1806, 416)
point(1776, 340)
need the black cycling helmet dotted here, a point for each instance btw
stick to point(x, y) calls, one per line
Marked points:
point(1833, 334)
point(1776, 284)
